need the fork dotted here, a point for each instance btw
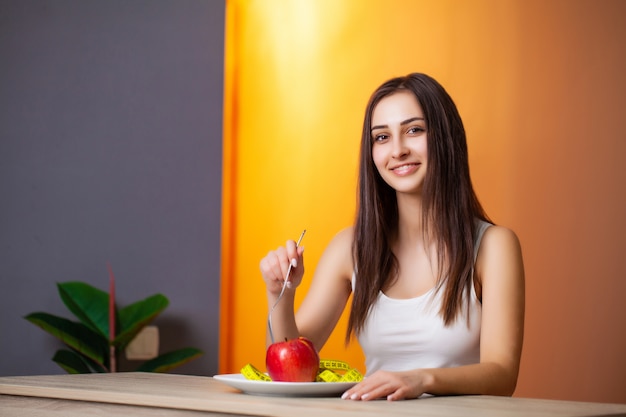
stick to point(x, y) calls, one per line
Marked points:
point(286, 284)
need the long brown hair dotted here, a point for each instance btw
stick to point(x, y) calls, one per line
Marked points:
point(450, 206)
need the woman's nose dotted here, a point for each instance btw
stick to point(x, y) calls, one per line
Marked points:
point(399, 148)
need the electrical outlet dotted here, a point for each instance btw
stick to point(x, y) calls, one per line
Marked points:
point(145, 345)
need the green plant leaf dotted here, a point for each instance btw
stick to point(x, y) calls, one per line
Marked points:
point(72, 362)
point(89, 304)
point(76, 335)
point(134, 317)
point(167, 361)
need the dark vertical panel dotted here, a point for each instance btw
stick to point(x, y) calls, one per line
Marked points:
point(110, 150)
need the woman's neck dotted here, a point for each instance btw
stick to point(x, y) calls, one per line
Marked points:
point(410, 227)
point(414, 244)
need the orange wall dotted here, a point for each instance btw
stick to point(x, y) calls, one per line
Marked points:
point(540, 87)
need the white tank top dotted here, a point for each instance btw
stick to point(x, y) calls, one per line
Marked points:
point(403, 334)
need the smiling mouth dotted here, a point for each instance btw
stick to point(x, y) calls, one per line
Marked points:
point(406, 168)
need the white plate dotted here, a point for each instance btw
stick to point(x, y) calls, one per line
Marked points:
point(285, 389)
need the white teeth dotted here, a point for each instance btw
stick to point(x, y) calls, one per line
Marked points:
point(403, 168)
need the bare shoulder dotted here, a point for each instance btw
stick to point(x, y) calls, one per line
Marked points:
point(338, 253)
point(499, 255)
point(498, 236)
point(344, 238)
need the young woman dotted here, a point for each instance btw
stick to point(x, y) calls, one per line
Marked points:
point(438, 290)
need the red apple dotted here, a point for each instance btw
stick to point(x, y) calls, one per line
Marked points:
point(294, 360)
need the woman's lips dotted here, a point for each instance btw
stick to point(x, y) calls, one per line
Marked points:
point(405, 169)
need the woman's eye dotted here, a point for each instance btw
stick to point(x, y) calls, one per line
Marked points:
point(380, 137)
point(416, 130)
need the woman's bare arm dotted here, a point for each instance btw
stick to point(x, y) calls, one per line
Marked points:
point(326, 298)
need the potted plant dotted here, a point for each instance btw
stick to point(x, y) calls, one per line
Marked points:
point(102, 331)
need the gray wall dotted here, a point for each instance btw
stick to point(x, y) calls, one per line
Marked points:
point(110, 150)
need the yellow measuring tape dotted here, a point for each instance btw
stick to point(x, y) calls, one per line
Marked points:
point(329, 371)
point(250, 372)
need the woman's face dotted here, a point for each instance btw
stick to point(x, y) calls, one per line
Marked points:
point(399, 145)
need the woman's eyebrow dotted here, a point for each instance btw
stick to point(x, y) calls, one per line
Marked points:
point(402, 123)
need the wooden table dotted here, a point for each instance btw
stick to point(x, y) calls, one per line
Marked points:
point(167, 395)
